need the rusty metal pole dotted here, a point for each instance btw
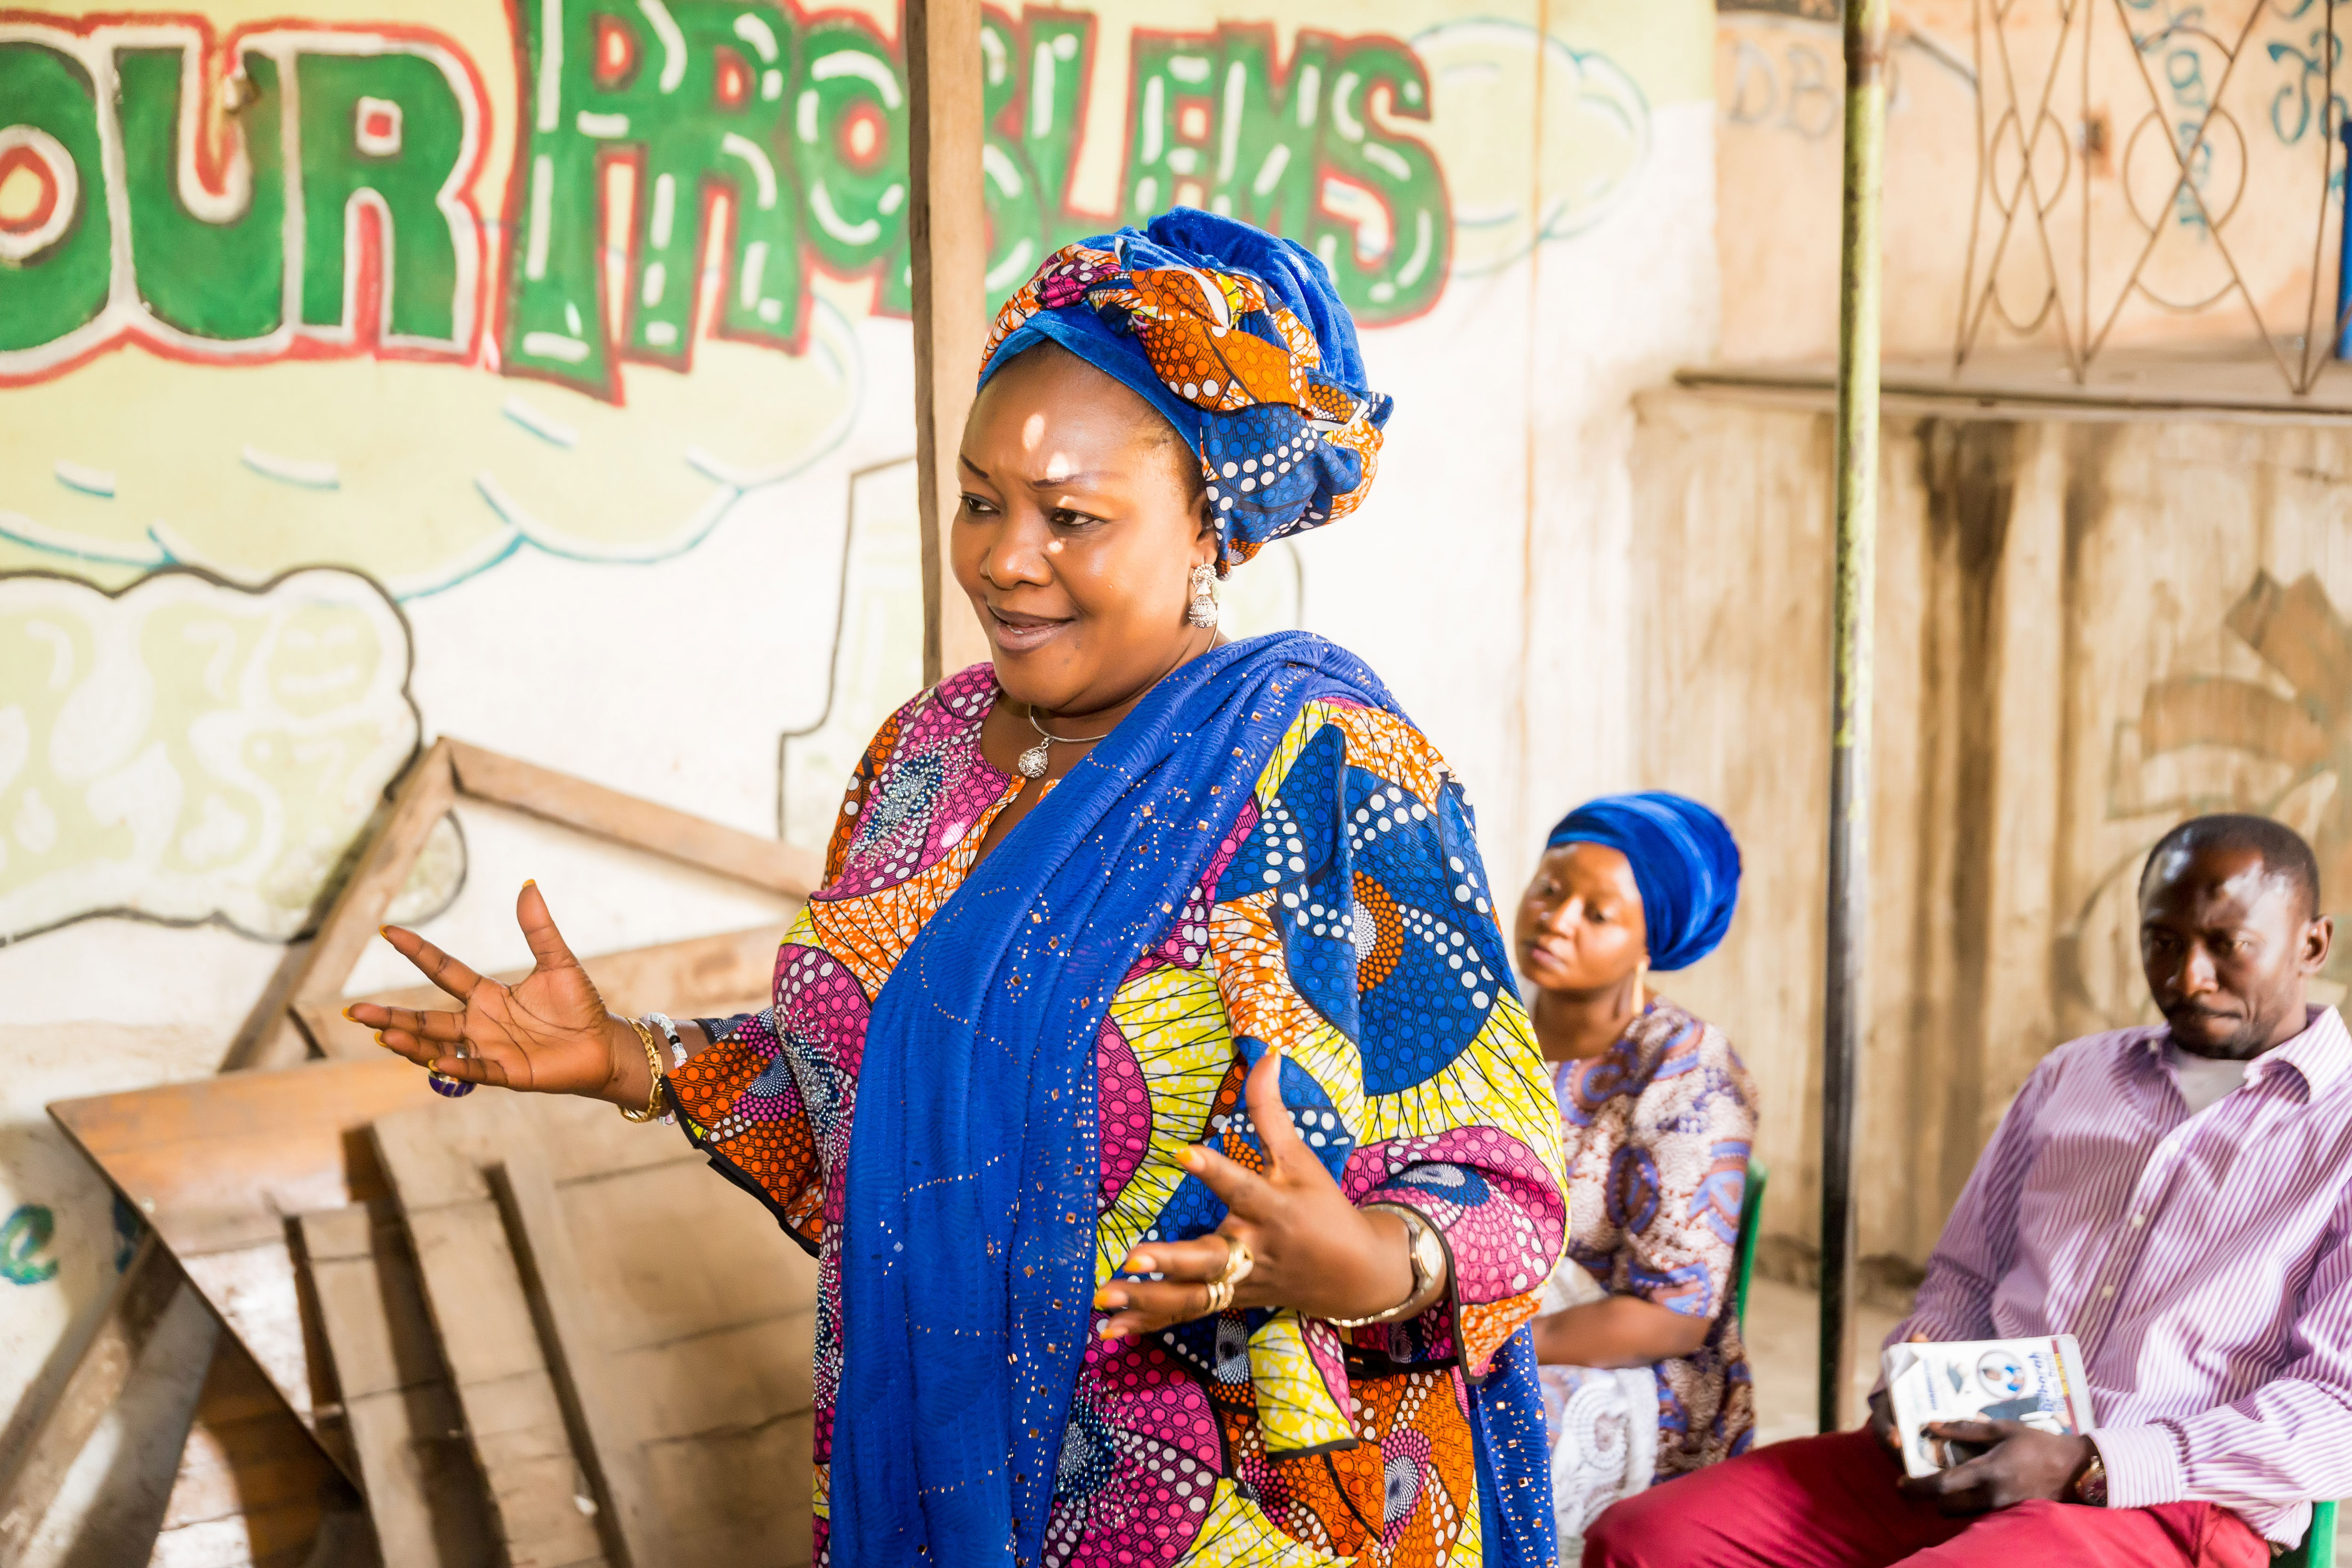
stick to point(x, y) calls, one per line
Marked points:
point(1846, 1009)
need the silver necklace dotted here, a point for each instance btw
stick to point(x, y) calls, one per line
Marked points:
point(1032, 765)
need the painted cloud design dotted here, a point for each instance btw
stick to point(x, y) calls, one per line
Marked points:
point(190, 749)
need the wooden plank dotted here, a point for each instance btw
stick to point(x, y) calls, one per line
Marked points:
point(766, 863)
point(711, 1344)
point(541, 1501)
point(141, 1298)
point(254, 1490)
point(570, 1327)
point(688, 1367)
point(217, 1167)
point(713, 976)
point(947, 224)
point(407, 1425)
point(423, 799)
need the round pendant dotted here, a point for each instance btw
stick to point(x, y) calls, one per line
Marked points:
point(1032, 761)
point(454, 1087)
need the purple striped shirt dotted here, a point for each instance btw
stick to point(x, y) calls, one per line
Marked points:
point(2202, 1260)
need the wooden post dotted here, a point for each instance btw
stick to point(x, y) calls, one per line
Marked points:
point(947, 222)
point(1846, 1009)
point(423, 799)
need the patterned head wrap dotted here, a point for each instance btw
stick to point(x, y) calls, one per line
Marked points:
point(1685, 861)
point(1240, 341)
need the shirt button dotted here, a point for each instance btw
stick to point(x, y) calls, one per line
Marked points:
point(2105, 1291)
point(2138, 1220)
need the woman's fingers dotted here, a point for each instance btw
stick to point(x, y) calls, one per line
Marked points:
point(1203, 1257)
point(1245, 1191)
point(1186, 1270)
point(432, 963)
point(471, 1069)
point(546, 944)
point(1145, 1307)
point(449, 1027)
point(438, 1058)
point(401, 1043)
point(1262, 1092)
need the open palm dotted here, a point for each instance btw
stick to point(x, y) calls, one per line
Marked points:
point(551, 1033)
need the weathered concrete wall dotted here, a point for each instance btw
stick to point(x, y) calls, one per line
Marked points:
point(2087, 630)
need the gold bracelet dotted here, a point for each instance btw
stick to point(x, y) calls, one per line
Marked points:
point(1432, 1269)
point(653, 1062)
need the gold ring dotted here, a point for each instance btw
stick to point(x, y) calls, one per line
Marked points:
point(1220, 1296)
point(1239, 1261)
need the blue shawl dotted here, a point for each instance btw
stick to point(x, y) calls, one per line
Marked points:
point(968, 1256)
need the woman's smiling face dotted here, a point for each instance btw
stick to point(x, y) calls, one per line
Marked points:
point(1083, 517)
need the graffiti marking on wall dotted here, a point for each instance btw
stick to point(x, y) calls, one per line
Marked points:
point(190, 751)
point(2217, 742)
point(25, 1233)
point(1597, 136)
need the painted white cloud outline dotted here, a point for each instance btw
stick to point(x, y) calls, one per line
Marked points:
point(521, 521)
point(174, 787)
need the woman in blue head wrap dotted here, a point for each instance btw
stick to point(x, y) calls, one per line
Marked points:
point(1643, 1373)
point(1145, 1077)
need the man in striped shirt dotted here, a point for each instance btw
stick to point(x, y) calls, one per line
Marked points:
point(2178, 1197)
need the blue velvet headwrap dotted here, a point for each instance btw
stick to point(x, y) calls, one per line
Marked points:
point(1240, 341)
point(1685, 861)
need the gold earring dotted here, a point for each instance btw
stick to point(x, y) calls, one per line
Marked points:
point(1203, 611)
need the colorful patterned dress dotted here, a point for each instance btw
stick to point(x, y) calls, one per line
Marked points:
point(1254, 1438)
point(1655, 1132)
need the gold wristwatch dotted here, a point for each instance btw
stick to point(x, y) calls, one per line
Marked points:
point(1425, 1249)
point(2091, 1482)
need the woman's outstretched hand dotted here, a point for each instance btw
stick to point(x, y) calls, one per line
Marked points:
point(1311, 1248)
point(548, 1033)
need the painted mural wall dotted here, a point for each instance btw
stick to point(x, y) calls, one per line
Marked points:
point(538, 373)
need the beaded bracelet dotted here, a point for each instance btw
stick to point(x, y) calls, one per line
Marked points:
point(677, 1055)
point(653, 1062)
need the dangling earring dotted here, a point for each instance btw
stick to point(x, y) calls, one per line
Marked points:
point(1641, 989)
point(1203, 611)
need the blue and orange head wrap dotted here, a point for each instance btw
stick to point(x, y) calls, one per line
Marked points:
point(1240, 341)
point(1685, 861)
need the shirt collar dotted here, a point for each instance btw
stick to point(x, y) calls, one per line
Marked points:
point(2321, 1055)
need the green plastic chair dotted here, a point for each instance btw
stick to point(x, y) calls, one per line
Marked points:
point(2318, 1548)
point(1743, 1256)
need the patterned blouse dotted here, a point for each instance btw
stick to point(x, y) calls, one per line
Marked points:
point(1656, 1134)
point(1254, 1438)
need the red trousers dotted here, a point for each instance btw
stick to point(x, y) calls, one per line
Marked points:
point(1831, 1502)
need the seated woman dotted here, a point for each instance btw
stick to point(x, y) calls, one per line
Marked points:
point(1642, 1371)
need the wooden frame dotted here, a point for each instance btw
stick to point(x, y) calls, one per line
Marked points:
point(452, 769)
point(122, 1133)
